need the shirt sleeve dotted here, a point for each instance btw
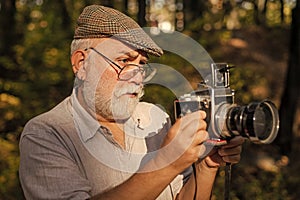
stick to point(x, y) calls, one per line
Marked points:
point(47, 168)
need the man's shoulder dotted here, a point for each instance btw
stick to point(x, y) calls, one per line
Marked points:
point(56, 117)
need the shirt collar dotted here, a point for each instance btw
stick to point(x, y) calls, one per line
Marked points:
point(86, 125)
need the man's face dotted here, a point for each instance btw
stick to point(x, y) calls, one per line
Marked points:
point(116, 99)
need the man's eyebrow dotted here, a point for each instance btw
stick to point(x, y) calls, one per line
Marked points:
point(134, 54)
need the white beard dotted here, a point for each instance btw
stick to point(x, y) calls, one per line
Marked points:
point(115, 106)
point(120, 106)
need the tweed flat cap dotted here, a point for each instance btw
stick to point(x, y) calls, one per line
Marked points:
point(97, 21)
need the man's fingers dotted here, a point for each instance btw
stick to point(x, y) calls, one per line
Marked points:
point(232, 159)
point(236, 141)
point(193, 121)
point(232, 151)
point(200, 137)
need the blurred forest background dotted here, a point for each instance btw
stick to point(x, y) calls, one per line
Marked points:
point(260, 37)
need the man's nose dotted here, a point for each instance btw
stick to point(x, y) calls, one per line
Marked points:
point(138, 78)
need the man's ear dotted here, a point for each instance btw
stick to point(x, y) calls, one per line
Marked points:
point(77, 60)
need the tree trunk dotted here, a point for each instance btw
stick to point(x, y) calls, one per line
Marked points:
point(282, 11)
point(9, 37)
point(291, 92)
point(7, 21)
point(125, 7)
point(142, 12)
point(108, 3)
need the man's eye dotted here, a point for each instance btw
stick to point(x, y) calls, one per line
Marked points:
point(123, 61)
point(143, 62)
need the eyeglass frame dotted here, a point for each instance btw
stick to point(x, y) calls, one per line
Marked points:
point(141, 68)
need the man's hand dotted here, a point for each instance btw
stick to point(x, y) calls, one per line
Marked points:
point(184, 143)
point(228, 153)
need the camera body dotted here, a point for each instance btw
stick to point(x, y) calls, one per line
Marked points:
point(257, 121)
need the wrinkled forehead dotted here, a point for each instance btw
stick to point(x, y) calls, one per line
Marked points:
point(114, 48)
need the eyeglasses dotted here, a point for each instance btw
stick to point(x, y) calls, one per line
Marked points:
point(130, 70)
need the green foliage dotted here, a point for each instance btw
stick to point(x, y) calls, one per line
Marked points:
point(9, 164)
point(36, 75)
point(261, 174)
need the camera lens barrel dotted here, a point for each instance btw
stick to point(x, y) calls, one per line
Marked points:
point(258, 121)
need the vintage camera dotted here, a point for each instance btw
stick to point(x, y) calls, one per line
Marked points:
point(258, 121)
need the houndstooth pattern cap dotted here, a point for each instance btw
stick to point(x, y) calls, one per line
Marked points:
point(97, 21)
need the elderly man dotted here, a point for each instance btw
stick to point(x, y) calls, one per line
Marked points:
point(102, 142)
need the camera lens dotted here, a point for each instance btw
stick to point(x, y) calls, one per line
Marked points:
point(258, 121)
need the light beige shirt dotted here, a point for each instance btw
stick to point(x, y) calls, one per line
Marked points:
point(66, 154)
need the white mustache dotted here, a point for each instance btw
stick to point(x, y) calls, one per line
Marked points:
point(130, 89)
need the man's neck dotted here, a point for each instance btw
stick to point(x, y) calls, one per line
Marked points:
point(116, 127)
point(117, 130)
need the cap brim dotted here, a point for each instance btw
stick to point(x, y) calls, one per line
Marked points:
point(140, 40)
